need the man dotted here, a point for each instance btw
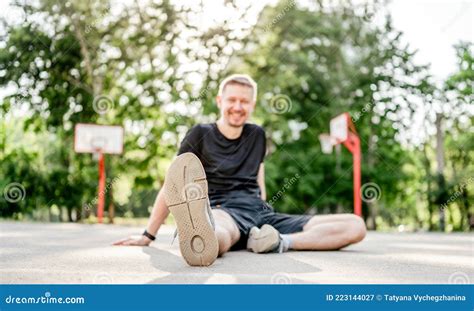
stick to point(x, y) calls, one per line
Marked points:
point(216, 192)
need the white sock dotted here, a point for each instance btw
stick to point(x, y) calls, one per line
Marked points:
point(286, 242)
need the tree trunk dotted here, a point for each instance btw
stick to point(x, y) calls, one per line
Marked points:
point(371, 206)
point(465, 216)
point(78, 214)
point(50, 214)
point(427, 165)
point(440, 166)
point(69, 214)
point(111, 204)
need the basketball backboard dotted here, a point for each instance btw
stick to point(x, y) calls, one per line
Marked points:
point(95, 138)
point(339, 127)
point(339, 134)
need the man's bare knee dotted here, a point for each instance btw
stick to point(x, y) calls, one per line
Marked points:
point(354, 230)
point(353, 226)
point(358, 229)
point(225, 221)
point(224, 239)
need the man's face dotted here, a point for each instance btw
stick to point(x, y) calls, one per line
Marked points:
point(236, 104)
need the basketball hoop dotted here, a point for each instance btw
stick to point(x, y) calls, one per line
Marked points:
point(327, 142)
point(96, 156)
point(342, 131)
point(99, 140)
point(98, 145)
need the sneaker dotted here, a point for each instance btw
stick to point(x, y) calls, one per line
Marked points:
point(264, 240)
point(186, 197)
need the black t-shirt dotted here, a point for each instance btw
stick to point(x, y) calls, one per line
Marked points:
point(231, 165)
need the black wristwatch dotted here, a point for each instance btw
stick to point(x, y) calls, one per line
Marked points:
point(148, 235)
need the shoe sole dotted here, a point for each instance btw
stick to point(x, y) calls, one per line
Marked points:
point(264, 240)
point(186, 198)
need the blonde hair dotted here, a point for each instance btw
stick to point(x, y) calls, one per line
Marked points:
point(241, 79)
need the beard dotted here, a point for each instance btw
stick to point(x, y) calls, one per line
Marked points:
point(236, 119)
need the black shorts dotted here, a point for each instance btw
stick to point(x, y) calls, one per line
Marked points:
point(250, 211)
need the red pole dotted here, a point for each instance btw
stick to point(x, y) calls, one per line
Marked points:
point(357, 176)
point(101, 195)
point(353, 145)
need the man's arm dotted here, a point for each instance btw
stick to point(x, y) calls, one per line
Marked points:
point(158, 215)
point(261, 181)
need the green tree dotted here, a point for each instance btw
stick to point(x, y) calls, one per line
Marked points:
point(321, 61)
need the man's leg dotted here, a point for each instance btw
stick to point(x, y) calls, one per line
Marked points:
point(301, 232)
point(226, 230)
point(329, 232)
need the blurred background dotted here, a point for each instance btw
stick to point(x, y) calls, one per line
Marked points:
point(402, 69)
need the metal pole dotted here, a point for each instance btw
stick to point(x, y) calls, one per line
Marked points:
point(357, 176)
point(353, 145)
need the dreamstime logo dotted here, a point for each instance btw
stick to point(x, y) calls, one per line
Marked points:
point(357, 115)
point(47, 298)
point(281, 278)
point(192, 191)
point(14, 192)
point(280, 104)
point(95, 23)
point(283, 189)
point(90, 205)
point(91, 26)
point(22, 98)
point(459, 278)
point(368, 16)
point(370, 192)
point(103, 278)
point(280, 15)
point(202, 95)
point(102, 104)
point(462, 186)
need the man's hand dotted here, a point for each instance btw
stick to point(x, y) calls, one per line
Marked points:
point(134, 241)
point(158, 215)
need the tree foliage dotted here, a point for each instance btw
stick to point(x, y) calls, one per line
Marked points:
point(153, 68)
